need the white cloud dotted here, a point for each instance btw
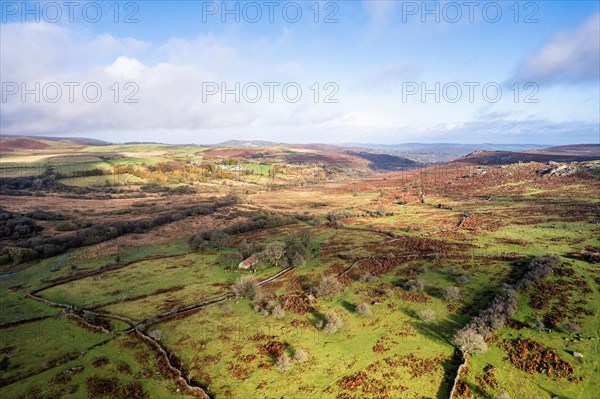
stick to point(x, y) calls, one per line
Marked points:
point(170, 91)
point(125, 68)
point(570, 56)
point(170, 79)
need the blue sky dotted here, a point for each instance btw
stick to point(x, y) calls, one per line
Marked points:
point(371, 58)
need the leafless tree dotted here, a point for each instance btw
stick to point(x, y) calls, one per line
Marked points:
point(284, 363)
point(246, 287)
point(333, 322)
point(363, 309)
point(300, 356)
point(415, 285)
point(328, 287)
point(470, 341)
point(452, 294)
point(426, 315)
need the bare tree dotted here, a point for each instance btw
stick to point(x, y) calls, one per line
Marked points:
point(426, 315)
point(333, 322)
point(284, 363)
point(503, 395)
point(452, 294)
point(246, 287)
point(328, 287)
point(470, 341)
point(363, 309)
point(278, 312)
point(415, 285)
point(300, 356)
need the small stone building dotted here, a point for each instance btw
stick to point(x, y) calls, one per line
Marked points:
point(249, 262)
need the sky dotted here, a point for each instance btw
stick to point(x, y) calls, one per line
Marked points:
point(367, 71)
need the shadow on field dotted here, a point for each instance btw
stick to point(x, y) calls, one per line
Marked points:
point(348, 306)
point(438, 330)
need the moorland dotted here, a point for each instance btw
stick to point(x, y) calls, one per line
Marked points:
point(241, 270)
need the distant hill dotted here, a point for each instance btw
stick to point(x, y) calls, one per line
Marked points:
point(385, 161)
point(247, 143)
point(585, 150)
point(441, 152)
point(507, 157)
point(21, 143)
point(76, 140)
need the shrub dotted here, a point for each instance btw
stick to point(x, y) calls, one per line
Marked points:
point(462, 278)
point(502, 395)
point(470, 341)
point(333, 322)
point(328, 287)
point(15, 226)
point(134, 390)
point(571, 327)
point(452, 294)
point(537, 324)
point(40, 214)
point(99, 387)
point(4, 364)
point(363, 309)
point(368, 277)
point(426, 315)
point(284, 363)
point(219, 239)
point(246, 287)
point(155, 334)
point(300, 356)
point(278, 312)
point(415, 285)
point(226, 309)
